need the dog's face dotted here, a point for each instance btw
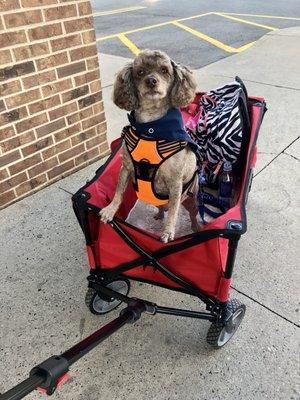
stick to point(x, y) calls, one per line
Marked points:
point(153, 76)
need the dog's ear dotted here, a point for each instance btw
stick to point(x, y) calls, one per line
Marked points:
point(184, 86)
point(124, 91)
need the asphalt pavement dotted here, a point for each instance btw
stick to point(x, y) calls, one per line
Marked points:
point(194, 33)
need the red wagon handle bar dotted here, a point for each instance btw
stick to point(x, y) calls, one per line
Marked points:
point(49, 373)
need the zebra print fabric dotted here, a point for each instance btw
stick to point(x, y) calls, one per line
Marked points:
point(218, 127)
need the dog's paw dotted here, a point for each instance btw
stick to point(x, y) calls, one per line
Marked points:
point(167, 236)
point(107, 214)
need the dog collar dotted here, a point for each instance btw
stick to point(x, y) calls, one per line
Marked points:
point(170, 127)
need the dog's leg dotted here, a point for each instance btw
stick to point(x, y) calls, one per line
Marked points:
point(175, 192)
point(160, 213)
point(190, 204)
point(107, 213)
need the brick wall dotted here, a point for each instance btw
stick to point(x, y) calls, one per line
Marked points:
point(52, 121)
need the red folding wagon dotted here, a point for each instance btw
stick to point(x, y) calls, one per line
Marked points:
point(199, 264)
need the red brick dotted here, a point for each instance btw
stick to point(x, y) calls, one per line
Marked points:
point(80, 24)
point(44, 104)
point(86, 78)
point(45, 31)
point(71, 69)
point(16, 70)
point(52, 61)
point(98, 108)
point(6, 5)
point(65, 42)
point(101, 128)
point(87, 101)
point(31, 185)
point(31, 122)
point(59, 148)
point(35, 50)
point(39, 79)
point(95, 141)
point(3, 174)
point(13, 115)
point(104, 148)
point(49, 128)
point(64, 134)
point(13, 182)
point(62, 111)
point(61, 169)
point(10, 88)
point(85, 8)
point(7, 198)
point(6, 133)
point(93, 121)
point(93, 63)
point(42, 167)
point(36, 3)
point(23, 18)
point(57, 87)
point(87, 112)
point(83, 136)
point(5, 57)
point(95, 86)
point(25, 164)
point(17, 141)
point(23, 98)
point(87, 156)
point(83, 52)
point(73, 152)
point(2, 106)
point(9, 158)
point(11, 38)
point(75, 93)
point(37, 146)
point(60, 12)
point(89, 37)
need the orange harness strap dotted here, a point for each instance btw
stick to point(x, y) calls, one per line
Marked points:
point(147, 155)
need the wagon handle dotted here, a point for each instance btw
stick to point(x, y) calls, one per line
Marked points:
point(52, 372)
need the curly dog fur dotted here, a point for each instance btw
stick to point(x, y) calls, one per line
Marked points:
point(151, 85)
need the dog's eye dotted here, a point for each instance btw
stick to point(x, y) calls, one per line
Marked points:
point(140, 72)
point(164, 70)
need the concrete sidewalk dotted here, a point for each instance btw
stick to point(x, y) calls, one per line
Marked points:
point(44, 267)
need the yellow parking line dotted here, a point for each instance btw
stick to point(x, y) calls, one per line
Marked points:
point(245, 47)
point(132, 47)
point(117, 11)
point(193, 16)
point(208, 39)
point(244, 21)
point(264, 16)
point(144, 28)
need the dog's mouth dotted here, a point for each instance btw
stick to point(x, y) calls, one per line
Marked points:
point(153, 92)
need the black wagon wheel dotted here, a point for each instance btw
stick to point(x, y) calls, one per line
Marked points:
point(100, 305)
point(219, 333)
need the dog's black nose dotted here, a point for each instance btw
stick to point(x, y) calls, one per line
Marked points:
point(151, 81)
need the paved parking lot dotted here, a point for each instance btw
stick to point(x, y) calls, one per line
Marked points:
point(193, 33)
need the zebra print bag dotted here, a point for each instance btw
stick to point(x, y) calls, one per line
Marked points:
point(221, 127)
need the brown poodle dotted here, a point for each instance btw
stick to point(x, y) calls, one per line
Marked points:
point(151, 86)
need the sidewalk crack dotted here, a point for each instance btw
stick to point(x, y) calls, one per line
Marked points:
point(290, 155)
point(64, 190)
point(264, 306)
point(274, 158)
